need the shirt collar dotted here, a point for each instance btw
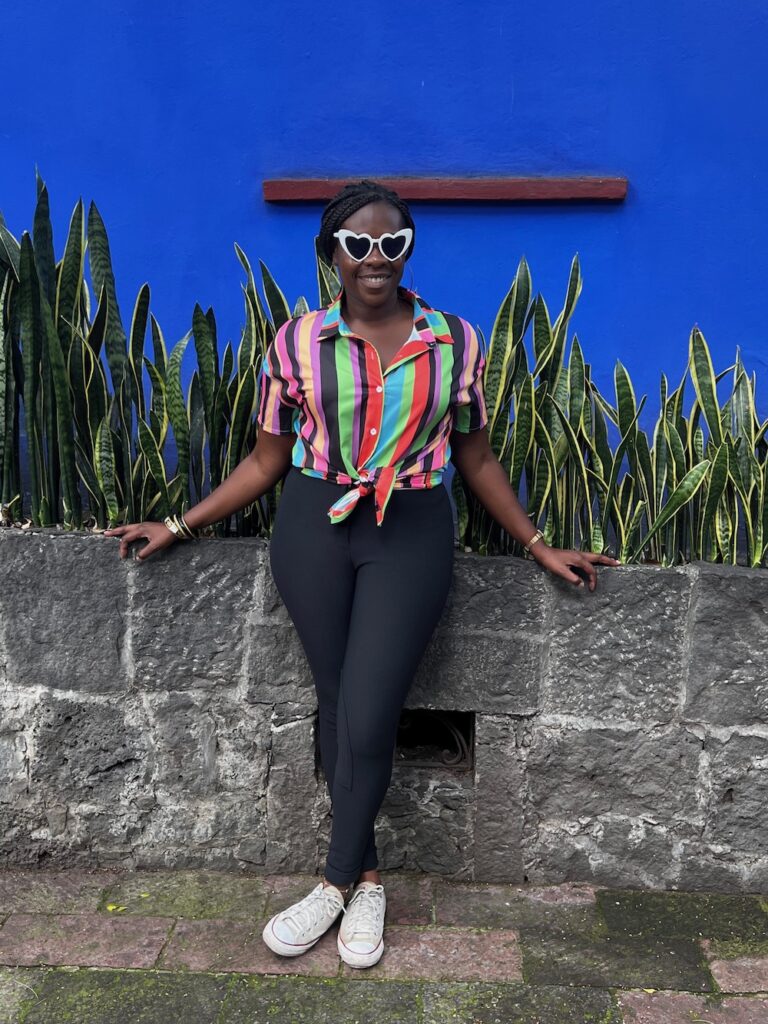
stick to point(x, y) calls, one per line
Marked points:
point(428, 324)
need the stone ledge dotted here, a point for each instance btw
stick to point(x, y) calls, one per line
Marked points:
point(163, 714)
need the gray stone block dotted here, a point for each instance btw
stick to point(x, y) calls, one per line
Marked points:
point(497, 593)
point(87, 750)
point(716, 868)
point(189, 614)
point(425, 823)
point(64, 610)
point(276, 669)
point(499, 783)
point(737, 793)
point(291, 795)
point(609, 849)
point(728, 679)
point(620, 651)
point(182, 831)
point(17, 709)
point(583, 769)
point(269, 605)
point(576, 772)
point(203, 744)
point(472, 671)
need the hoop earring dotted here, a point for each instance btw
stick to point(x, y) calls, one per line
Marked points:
point(411, 286)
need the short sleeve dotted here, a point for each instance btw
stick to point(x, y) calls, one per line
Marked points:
point(278, 401)
point(469, 412)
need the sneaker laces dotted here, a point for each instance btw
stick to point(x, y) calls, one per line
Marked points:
point(312, 909)
point(365, 907)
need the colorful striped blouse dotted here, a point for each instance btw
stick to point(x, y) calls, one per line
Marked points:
point(357, 425)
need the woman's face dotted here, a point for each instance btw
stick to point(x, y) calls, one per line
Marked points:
point(374, 281)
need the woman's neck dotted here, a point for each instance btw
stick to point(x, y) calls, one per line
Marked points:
point(353, 310)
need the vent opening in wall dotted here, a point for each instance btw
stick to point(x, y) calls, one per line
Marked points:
point(436, 739)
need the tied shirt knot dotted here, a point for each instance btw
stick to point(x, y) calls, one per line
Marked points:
point(381, 481)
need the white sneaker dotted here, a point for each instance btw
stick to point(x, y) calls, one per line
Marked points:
point(360, 939)
point(297, 929)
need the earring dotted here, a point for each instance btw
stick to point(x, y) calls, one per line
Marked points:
point(411, 287)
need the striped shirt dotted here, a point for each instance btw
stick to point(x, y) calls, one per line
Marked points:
point(357, 425)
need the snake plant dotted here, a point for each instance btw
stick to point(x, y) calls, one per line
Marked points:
point(107, 434)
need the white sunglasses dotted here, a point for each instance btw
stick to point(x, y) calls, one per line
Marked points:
point(358, 247)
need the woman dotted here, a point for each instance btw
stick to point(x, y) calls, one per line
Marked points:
point(361, 405)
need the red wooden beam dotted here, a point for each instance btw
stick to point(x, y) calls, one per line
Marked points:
point(456, 190)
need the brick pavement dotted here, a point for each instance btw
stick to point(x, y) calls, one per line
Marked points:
point(114, 947)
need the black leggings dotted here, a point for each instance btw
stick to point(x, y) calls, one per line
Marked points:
point(365, 600)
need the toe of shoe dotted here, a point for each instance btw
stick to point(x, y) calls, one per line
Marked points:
point(359, 953)
point(280, 941)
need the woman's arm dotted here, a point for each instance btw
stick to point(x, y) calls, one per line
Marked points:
point(254, 476)
point(482, 472)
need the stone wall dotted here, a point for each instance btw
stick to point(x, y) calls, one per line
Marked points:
point(163, 714)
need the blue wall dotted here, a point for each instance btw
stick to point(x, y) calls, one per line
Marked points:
point(169, 117)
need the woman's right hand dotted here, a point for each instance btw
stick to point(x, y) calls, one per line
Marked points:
point(158, 535)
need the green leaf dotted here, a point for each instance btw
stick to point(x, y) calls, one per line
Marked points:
point(105, 469)
point(177, 414)
point(704, 382)
point(681, 495)
point(155, 463)
point(104, 279)
point(276, 302)
point(241, 414)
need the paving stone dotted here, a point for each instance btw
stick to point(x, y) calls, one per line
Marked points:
point(517, 1004)
point(320, 1001)
point(69, 891)
point(684, 1008)
point(684, 914)
point(746, 973)
point(568, 893)
point(283, 890)
point(125, 997)
point(502, 906)
point(567, 945)
point(17, 987)
point(409, 899)
point(82, 939)
point(187, 894)
point(236, 947)
point(446, 954)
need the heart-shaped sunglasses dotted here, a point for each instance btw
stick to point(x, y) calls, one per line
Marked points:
point(358, 247)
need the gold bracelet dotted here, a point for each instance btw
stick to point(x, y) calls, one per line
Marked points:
point(536, 537)
point(192, 534)
point(178, 526)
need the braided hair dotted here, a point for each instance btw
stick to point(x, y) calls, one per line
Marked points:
point(348, 201)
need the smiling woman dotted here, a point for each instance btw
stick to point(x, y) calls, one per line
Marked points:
point(362, 404)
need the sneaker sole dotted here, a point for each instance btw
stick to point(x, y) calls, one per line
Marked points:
point(285, 948)
point(360, 959)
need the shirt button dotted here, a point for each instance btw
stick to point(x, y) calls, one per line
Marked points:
point(379, 387)
point(373, 430)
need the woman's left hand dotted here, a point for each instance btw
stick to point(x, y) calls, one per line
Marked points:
point(562, 562)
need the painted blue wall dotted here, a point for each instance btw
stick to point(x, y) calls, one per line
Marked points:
point(169, 117)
